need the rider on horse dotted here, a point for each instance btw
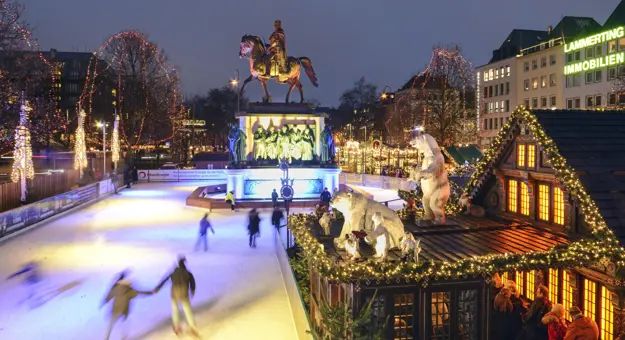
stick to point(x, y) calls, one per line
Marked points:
point(277, 50)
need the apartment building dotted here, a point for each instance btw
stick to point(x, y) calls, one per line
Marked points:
point(593, 62)
point(496, 88)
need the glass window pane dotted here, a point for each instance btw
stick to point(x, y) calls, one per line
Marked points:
point(468, 314)
point(607, 315)
point(590, 296)
point(512, 195)
point(525, 200)
point(441, 327)
point(558, 206)
point(543, 202)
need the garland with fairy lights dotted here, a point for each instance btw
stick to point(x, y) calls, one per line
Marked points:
point(115, 141)
point(23, 155)
point(80, 150)
point(583, 252)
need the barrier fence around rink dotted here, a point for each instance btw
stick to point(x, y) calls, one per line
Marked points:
point(177, 175)
point(18, 219)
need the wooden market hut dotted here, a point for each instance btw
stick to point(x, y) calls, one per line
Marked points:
point(553, 186)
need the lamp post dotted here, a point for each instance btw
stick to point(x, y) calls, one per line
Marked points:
point(384, 94)
point(235, 83)
point(103, 126)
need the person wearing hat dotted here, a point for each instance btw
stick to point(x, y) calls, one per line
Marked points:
point(277, 48)
point(582, 327)
point(554, 320)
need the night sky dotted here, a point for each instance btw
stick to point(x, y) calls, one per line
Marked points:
point(385, 41)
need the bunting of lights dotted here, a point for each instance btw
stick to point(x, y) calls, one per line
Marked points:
point(23, 168)
point(80, 150)
point(115, 141)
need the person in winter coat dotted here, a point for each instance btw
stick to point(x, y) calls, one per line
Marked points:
point(127, 176)
point(534, 328)
point(135, 175)
point(204, 226)
point(253, 228)
point(326, 197)
point(506, 322)
point(182, 282)
point(32, 278)
point(276, 217)
point(555, 322)
point(230, 199)
point(274, 198)
point(582, 327)
point(121, 293)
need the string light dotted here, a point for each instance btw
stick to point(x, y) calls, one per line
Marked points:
point(80, 150)
point(115, 141)
point(23, 155)
point(602, 243)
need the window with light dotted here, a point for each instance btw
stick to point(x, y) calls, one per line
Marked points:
point(520, 282)
point(590, 298)
point(530, 289)
point(606, 328)
point(543, 202)
point(531, 156)
point(554, 286)
point(525, 199)
point(558, 206)
point(520, 155)
point(504, 277)
point(567, 292)
point(512, 195)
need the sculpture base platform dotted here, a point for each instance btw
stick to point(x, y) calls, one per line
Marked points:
point(212, 197)
point(258, 183)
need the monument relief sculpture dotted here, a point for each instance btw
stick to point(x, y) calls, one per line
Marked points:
point(260, 147)
point(237, 144)
point(271, 143)
point(328, 151)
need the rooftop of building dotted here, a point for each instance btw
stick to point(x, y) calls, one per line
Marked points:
point(617, 18)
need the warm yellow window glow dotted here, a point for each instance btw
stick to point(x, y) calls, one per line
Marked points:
point(504, 277)
point(567, 292)
point(590, 302)
point(530, 289)
point(512, 195)
point(607, 315)
point(558, 206)
point(543, 202)
point(520, 282)
point(520, 155)
point(553, 285)
point(525, 200)
point(531, 156)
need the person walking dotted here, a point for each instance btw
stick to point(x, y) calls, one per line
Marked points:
point(506, 317)
point(534, 329)
point(326, 197)
point(182, 283)
point(276, 217)
point(121, 293)
point(31, 279)
point(582, 327)
point(555, 322)
point(204, 226)
point(230, 199)
point(274, 198)
point(253, 227)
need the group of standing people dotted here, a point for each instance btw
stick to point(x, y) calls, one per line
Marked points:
point(513, 319)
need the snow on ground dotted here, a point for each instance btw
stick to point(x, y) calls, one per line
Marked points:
point(240, 293)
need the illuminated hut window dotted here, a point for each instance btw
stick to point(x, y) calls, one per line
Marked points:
point(504, 277)
point(520, 283)
point(607, 315)
point(525, 199)
point(567, 291)
point(553, 284)
point(530, 289)
point(590, 298)
point(543, 202)
point(441, 327)
point(558, 206)
point(520, 155)
point(512, 195)
point(403, 324)
point(531, 156)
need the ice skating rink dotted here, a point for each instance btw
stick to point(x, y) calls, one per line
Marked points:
point(240, 292)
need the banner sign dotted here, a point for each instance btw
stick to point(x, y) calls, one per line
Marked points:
point(175, 175)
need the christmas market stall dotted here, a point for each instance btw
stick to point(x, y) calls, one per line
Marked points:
point(545, 206)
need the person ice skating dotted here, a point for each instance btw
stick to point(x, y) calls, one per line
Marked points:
point(326, 197)
point(204, 226)
point(135, 175)
point(274, 198)
point(121, 293)
point(182, 282)
point(253, 228)
point(32, 278)
point(127, 176)
point(230, 199)
point(276, 217)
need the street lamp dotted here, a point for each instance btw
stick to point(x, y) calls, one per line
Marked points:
point(103, 126)
point(235, 83)
point(384, 93)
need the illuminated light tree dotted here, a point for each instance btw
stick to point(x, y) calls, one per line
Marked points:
point(23, 168)
point(115, 141)
point(80, 150)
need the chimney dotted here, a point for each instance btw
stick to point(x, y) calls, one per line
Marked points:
point(549, 29)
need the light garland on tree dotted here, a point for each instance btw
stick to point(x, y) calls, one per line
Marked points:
point(80, 150)
point(602, 244)
point(115, 141)
point(23, 155)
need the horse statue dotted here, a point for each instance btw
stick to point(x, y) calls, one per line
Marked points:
point(253, 48)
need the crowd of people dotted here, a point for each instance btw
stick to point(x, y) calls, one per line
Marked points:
point(513, 318)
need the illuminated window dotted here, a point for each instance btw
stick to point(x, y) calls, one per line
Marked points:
point(531, 156)
point(558, 206)
point(553, 285)
point(543, 202)
point(504, 277)
point(590, 302)
point(567, 291)
point(520, 155)
point(530, 289)
point(520, 282)
point(525, 200)
point(607, 315)
point(512, 195)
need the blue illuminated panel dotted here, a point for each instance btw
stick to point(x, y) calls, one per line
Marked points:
point(262, 188)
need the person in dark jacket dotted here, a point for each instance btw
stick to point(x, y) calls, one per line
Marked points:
point(121, 293)
point(276, 217)
point(534, 328)
point(326, 197)
point(127, 176)
point(135, 175)
point(204, 226)
point(274, 198)
point(31, 279)
point(253, 228)
point(506, 322)
point(182, 282)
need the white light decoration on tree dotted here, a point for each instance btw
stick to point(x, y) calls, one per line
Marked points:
point(115, 141)
point(23, 168)
point(80, 150)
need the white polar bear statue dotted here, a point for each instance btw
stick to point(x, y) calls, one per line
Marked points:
point(380, 237)
point(358, 212)
point(352, 246)
point(433, 178)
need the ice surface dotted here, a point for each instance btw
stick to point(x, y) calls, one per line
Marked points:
point(240, 293)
